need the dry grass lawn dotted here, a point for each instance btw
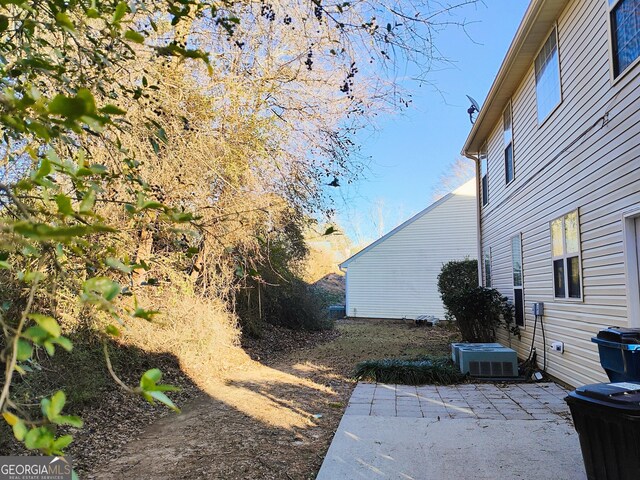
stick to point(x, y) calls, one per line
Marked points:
point(368, 339)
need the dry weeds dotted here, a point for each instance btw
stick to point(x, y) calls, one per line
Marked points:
point(202, 334)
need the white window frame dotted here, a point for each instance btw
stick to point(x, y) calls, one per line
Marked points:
point(554, 32)
point(484, 177)
point(564, 257)
point(518, 238)
point(630, 247)
point(611, 5)
point(486, 256)
point(506, 145)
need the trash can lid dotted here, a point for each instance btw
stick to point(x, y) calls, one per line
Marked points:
point(625, 395)
point(620, 335)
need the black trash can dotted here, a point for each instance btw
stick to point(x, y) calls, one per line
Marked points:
point(607, 419)
point(619, 350)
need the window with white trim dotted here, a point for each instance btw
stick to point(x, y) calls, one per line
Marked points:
point(484, 175)
point(487, 268)
point(508, 144)
point(565, 250)
point(516, 265)
point(547, 66)
point(624, 16)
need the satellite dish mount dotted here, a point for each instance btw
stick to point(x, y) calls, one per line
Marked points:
point(472, 110)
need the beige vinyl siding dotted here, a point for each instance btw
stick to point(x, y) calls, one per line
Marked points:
point(573, 160)
point(397, 277)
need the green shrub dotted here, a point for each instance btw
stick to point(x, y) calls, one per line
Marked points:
point(425, 370)
point(478, 311)
point(455, 277)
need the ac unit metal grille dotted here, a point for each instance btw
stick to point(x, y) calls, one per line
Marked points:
point(483, 365)
point(491, 369)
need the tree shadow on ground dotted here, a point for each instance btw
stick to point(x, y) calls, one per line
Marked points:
point(261, 422)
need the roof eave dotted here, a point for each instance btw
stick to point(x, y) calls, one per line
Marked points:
point(538, 20)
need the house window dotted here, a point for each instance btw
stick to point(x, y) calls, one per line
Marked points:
point(625, 33)
point(548, 77)
point(508, 144)
point(487, 268)
point(516, 263)
point(565, 249)
point(484, 174)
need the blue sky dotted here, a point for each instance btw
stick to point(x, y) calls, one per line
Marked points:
point(409, 151)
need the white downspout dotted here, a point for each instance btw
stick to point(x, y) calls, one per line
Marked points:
point(346, 289)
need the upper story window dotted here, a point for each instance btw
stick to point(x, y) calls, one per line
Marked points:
point(547, 64)
point(484, 175)
point(508, 144)
point(625, 33)
point(565, 249)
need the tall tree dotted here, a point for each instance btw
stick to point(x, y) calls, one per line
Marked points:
point(166, 122)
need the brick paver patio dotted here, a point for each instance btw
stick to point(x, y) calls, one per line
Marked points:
point(513, 401)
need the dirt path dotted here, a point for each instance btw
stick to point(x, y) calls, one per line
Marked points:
point(270, 420)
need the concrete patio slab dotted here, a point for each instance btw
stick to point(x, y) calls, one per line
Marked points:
point(483, 431)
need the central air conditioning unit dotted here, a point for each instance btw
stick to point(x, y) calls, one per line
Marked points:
point(488, 361)
point(455, 349)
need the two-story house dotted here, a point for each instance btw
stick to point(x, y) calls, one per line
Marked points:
point(557, 148)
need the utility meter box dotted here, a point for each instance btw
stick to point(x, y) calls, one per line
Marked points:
point(538, 309)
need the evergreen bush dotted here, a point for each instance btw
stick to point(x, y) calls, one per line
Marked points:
point(424, 370)
point(478, 311)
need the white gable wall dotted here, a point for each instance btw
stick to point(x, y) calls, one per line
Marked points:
point(397, 277)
